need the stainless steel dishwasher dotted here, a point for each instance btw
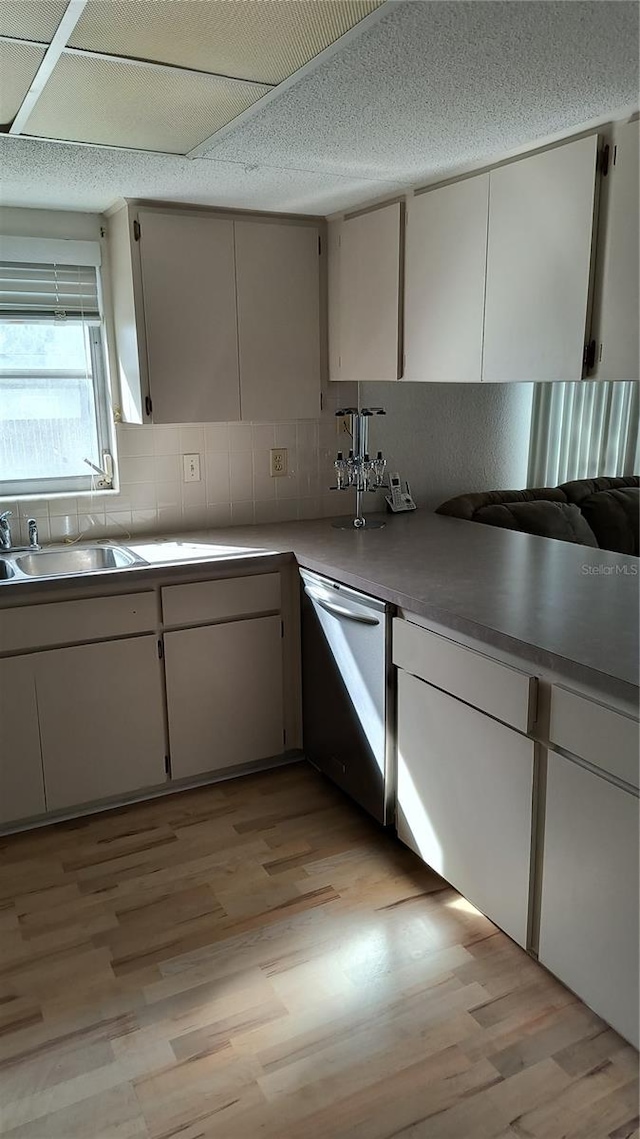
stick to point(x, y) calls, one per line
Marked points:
point(346, 691)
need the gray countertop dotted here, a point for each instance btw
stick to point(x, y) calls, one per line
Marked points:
point(563, 607)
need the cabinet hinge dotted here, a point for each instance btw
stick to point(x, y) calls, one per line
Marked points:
point(589, 356)
point(148, 406)
point(160, 649)
point(136, 230)
point(166, 765)
point(604, 160)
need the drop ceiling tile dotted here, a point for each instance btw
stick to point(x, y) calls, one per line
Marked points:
point(265, 40)
point(61, 176)
point(433, 86)
point(31, 19)
point(18, 65)
point(122, 104)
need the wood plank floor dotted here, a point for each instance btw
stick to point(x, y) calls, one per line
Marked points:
point(258, 959)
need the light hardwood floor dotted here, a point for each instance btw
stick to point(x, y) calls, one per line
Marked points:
point(257, 959)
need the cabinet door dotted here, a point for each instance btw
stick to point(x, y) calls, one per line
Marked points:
point(538, 264)
point(364, 331)
point(188, 279)
point(589, 914)
point(278, 320)
point(617, 292)
point(21, 782)
point(101, 720)
point(224, 695)
point(445, 266)
point(464, 800)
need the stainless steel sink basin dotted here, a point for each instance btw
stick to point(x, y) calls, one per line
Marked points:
point(73, 560)
point(6, 570)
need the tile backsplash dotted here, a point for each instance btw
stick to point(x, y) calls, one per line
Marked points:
point(235, 486)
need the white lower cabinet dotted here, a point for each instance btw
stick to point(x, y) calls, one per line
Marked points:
point(589, 914)
point(21, 782)
point(465, 799)
point(224, 695)
point(101, 720)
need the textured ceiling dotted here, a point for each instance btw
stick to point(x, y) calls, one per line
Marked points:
point(264, 41)
point(428, 88)
point(62, 176)
point(437, 85)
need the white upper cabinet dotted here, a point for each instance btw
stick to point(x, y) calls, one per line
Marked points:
point(445, 265)
point(541, 214)
point(216, 319)
point(617, 300)
point(278, 280)
point(190, 317)
point(364, 305)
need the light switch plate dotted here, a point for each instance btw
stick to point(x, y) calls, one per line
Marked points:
point(279, 464)
point(191, 468)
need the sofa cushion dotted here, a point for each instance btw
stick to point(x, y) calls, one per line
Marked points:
point(468, 505)
point(580, 489)
point(613, 516)
point(560, 520)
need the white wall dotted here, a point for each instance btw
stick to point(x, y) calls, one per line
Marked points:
point(448, 439)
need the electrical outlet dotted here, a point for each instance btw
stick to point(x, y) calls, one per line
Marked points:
point(279, 464)
point(343, 425)
point(191, 468)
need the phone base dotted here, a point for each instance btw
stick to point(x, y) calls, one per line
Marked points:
point(358, 524)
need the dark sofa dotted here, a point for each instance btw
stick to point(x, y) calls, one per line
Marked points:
point(600, 512)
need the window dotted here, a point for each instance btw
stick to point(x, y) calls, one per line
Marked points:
point(54, 399)
point(583, 430)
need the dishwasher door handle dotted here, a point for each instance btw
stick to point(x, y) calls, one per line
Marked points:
point(339, 610)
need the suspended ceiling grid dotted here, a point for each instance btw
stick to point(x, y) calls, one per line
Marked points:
point(155, 75)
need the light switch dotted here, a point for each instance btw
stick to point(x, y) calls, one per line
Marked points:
point(191, 468)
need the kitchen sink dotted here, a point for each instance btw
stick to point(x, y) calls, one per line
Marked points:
point(71, 560)
point(6, 570)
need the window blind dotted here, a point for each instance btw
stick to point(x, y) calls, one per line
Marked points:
point(583, 430)
point(42, 291)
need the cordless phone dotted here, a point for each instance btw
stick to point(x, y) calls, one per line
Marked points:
point(399, 500)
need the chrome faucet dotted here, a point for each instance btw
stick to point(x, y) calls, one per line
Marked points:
point(5, 530)
point(33, 534)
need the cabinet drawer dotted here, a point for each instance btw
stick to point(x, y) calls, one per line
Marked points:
point(69, 622)
point(206, 601)
point(495, 688)
point(596, 733)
